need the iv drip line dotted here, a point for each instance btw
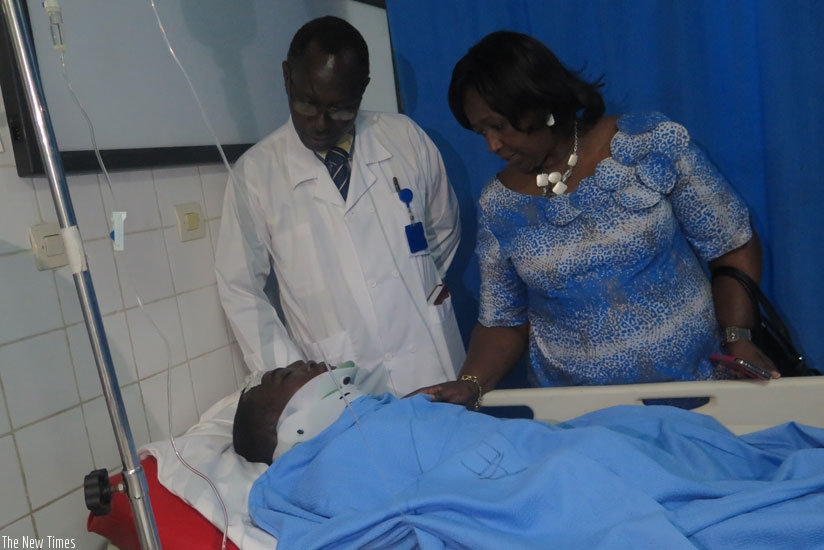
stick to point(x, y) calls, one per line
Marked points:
point(133, 475)
point(345, 396)
point(370, 449)
point(326, 362)
point(192, 89)
point(159, 332)
point(420, 313)
point(55, 19)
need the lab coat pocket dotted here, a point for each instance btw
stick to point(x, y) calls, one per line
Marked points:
point(438, 303)
point(441, 311)
point(334, 350)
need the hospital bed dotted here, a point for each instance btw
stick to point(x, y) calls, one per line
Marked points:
point(176, 493)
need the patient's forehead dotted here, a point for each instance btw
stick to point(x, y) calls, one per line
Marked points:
point(277, 387)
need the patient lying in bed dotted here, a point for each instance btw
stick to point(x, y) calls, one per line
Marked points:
point(377, 471)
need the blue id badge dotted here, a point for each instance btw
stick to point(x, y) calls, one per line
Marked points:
point(414, 231)
point(416, 238)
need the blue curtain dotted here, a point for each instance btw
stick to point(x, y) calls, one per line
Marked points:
point(744, 76)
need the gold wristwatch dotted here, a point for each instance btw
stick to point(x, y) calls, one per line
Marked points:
point(734, 334)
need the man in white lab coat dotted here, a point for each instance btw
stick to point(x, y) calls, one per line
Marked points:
point(359, 258)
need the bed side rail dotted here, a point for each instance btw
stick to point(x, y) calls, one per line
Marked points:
point(741, 405)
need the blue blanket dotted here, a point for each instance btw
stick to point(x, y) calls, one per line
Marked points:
point(415, 474)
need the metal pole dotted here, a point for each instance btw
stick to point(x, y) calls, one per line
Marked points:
point(133, 474)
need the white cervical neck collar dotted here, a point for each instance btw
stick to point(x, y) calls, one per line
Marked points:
point(316, 406)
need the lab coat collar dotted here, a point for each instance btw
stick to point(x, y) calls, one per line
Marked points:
point(305, 167)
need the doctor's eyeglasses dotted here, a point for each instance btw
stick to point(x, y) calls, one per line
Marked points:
point(312, 109)
point(335, 113)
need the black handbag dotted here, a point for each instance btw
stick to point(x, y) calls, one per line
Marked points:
point(770, 333)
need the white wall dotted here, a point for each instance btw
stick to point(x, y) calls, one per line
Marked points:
point(232, 53)
point(54, 425)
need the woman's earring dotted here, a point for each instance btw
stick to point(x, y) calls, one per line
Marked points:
point(550, 120)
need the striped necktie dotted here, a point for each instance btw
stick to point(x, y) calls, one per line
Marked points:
point(337, 162)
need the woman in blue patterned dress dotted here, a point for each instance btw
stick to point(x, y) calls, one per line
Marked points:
point(595, 238)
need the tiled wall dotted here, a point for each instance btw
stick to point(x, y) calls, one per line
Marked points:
point(54, 425)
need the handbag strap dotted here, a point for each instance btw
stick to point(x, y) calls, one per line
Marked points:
point(757, 296)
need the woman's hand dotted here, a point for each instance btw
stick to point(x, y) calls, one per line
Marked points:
point(459, 392)
point(752, 354)
point(492, 353)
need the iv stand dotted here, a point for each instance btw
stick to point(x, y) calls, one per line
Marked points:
point(133, 474)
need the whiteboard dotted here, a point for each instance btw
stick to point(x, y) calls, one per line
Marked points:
point(136, 95)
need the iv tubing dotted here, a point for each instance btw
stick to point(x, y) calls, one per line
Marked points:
point(133, 474)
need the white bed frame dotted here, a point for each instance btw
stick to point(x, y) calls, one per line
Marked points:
point(743, 406)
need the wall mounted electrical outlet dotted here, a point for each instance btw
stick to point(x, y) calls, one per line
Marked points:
point(190, 222)
point(48, 246)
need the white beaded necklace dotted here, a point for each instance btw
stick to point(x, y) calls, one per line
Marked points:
point(557, 179)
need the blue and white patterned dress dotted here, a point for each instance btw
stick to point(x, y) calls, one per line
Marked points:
point(609, 276)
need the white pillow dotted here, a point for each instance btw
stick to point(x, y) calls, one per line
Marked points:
point(207, 447)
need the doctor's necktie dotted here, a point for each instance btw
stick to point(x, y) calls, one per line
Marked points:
point(337, 162)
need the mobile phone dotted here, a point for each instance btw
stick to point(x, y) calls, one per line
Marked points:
point(739, 365)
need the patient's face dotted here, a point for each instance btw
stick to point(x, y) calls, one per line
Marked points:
point(278, 386)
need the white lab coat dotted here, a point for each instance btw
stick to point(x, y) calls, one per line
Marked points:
point(349, 288)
